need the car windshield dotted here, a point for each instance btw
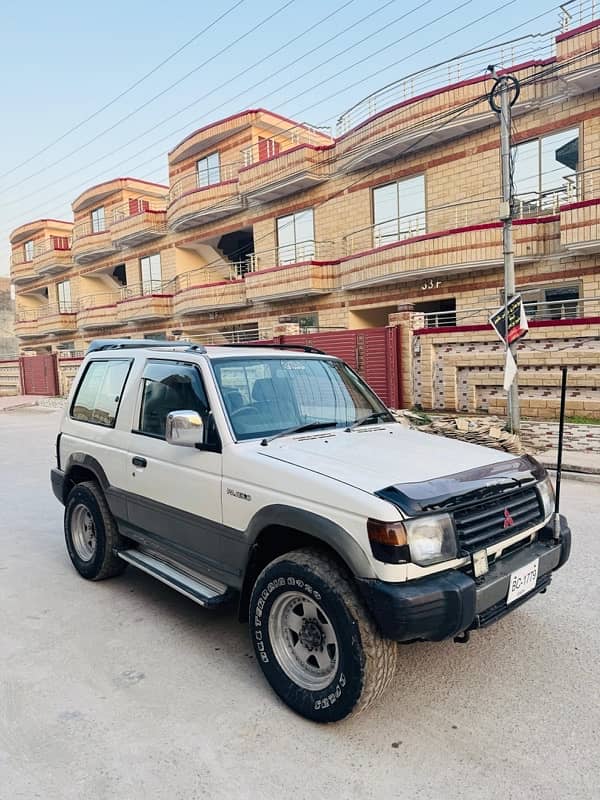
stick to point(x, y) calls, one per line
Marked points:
point(267, 395)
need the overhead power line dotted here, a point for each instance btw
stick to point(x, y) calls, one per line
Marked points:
point(155, 97)
point(125, 92)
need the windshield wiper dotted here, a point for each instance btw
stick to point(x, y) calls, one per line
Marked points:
point(373, 417)
point(308, 426)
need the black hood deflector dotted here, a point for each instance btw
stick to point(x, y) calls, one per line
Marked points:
point(438, 493)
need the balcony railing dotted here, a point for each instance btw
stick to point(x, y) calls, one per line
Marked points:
point(192, 202)
point(91, 241)
point(537, 311)
point(580, 216)
point(300, 269)
point(198, 293)
point(97, 311)
point(138, 220)
point(147, 300)
point(576, 13)
point(52, 255)
point(288, 172)
point(296, 253)
point(285, 140)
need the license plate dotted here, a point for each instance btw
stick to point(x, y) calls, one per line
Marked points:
point(522, 581)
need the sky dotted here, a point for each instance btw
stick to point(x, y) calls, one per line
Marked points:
point(63, 62)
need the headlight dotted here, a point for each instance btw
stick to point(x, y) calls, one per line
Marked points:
point(422, 540)
point(430, 539)
point(546, 491)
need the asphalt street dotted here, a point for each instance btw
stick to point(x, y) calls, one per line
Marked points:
point(125, 689)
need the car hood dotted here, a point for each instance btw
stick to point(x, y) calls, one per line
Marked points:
point(372, 458)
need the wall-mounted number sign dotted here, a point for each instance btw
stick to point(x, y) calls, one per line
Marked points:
point(430, 284)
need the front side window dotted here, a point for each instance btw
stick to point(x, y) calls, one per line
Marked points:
point(99, 393)
point(151, 273)
point(172, 386)
point(98, 223)
point(265, 396)
point(208, 170)
point(398, 210)
point(63, 291)
point(545, 171)
point(296, 237)
point(28, 250)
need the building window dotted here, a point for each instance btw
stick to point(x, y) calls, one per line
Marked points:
point(558, 301)
point(398, 210)
point(98, 222)
point(296, 237)
point(28, 249)
point(63, 291)
point(151, 273)
point(208, 170)
point(545, 171)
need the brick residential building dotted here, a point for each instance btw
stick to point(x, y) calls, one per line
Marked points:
point(268, 226)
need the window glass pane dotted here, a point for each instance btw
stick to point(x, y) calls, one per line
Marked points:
point(170, 387)
point(151, 273)
point(208, 170)
point(269, 395)
point(411, 202)
point(385, 214)
point(64, 296)
point(29, 249)
point(98, 396)
point(98, 220)
point(295, 237)
point(526, 175)
point(560, 157)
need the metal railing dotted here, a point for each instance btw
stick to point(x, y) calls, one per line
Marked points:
point(577, 12)
point(583, 185)
point(193, 181)
point(147, 288)
point(87, 228)
point(230, 271)
point(135, 206)
point(468, 65)
point(90, 302)
point(285, 140)
point(294, 253)
point(538, 310)
point(58, 244)
point(47, 310)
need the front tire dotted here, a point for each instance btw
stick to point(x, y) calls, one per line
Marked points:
point(91, 533)
point(315, 641)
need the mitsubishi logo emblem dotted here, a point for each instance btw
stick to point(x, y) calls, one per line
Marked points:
point(508, 520)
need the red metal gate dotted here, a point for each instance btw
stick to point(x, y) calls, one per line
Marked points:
point(39, 374)
point(373, 352)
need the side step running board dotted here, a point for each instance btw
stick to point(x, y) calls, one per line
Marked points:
point(206, 593)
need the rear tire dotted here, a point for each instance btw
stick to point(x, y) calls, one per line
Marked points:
point(91, 533)
point(314, 639)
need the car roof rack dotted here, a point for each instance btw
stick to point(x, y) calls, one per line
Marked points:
point(129, 344)
point(304, 347)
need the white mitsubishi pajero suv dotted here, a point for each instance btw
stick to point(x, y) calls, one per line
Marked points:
point(277, 477)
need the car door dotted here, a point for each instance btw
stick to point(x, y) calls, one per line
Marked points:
point(174, 492)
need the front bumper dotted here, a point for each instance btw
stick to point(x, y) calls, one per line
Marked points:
point(451, 602)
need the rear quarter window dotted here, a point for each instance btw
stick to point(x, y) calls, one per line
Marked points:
point(99, 393)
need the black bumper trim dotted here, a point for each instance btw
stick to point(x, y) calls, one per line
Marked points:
point(447, 603)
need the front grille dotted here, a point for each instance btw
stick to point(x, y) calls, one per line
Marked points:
point(482, 523)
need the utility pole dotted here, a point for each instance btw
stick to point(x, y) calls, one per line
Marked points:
point(506, 89)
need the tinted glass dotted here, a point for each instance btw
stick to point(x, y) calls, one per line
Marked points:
point(99, 393)
point(169, 386)
point(264, 396)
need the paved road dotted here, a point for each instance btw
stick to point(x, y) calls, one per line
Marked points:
point(125, 689)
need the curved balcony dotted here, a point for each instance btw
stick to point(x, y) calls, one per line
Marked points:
point(302, 270)
point(421, 246)
point(192, 204)
point(145, 302)
point(294, 170)
point(580, 219)
point(91, 244)
point(201, 290)
point(53, 256)
point(58, 318)
point(98, 311)
point(137, 221)
point(21, 269)
point(26, 323)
